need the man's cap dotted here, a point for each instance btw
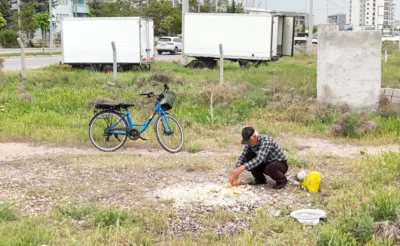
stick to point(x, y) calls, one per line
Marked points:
point(247, 132)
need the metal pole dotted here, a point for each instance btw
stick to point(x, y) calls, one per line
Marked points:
point(115, 61)
point(386, 56)
point(23, 72)
point(221, 61)
point(51, 27)
point(216, 6)
point(198, 6)
point(185, 9)
point(310, 26)
point(19, 19)
point(399, 43)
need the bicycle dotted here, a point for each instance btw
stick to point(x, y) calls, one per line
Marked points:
point(119, 126)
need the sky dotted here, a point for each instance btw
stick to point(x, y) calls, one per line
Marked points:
point(320, 7)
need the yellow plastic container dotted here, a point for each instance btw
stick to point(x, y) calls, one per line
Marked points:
point(312, 181)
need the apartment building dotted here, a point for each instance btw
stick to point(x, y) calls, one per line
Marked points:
point(371, 14)
point(338, 19)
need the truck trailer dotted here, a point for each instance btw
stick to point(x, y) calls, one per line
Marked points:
point(86, 43)
point(245, 38)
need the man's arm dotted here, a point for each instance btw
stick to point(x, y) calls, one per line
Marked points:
point(241, 157)
point(261, 154)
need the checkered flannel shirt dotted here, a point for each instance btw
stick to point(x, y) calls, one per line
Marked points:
point(266, 150)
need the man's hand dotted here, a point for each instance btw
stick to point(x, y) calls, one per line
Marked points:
point(235, 174)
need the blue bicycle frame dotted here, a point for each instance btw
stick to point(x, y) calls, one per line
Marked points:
point(127, 115)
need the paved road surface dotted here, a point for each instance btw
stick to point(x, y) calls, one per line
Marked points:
point(27, 50)
point(38, 62)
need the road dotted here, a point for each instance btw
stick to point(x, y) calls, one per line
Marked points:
point(39, 62)
point(27, 50)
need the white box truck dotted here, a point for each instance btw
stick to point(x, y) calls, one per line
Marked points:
point(86, 42)
point(245, 38)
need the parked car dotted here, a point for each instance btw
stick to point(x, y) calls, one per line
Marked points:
point(172, 45)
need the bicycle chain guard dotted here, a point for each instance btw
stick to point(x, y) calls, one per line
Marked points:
point(133, 134)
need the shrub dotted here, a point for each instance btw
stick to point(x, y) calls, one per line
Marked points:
point(8, 39)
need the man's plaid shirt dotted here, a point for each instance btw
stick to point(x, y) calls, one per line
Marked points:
point(266, 150)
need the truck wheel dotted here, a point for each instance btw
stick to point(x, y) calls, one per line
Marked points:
point(199, 64)
point(159, 52)
point(90, 68)
point(175, 51)
point(108, 69)
point(244, 64)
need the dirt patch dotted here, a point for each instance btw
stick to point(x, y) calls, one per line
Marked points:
point(314, 146)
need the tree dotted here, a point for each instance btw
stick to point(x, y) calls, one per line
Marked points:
point(233, 8)
point(315, 29)
point(161, 9)
point(303, 28)
point(95, 7)
point(116, 9)
point(167, 23)
point(40, 5)
point(3, 21)
point(5, 10)
point(42, 20)
point(28, 25)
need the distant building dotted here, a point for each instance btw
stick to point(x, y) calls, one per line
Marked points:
point(300, 18)
point(338, 19)
point(371, 14)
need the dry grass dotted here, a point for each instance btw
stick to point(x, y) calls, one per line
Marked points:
point(353, 125)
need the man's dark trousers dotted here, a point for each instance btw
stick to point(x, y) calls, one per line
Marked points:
point(276, 170)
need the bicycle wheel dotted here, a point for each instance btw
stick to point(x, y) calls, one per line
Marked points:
point(99, 131)
point(170, 136)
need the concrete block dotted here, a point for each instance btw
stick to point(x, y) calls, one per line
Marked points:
point(382, 91)
point(388, 92)
point(396, 92)
point(389, 98)
point(349, 68)
point(395, 100)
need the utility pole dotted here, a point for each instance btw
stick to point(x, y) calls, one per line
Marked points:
point(216, 6)
point(327, 12)
point(19, 19)
point(310, 26)
point(185, 9)
point(51, 27)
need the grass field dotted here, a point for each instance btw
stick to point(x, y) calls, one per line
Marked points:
point(54, 105)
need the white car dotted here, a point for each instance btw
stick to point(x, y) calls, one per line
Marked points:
point(173, 45)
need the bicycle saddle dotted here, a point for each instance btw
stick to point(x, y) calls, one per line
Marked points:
point(113, 105)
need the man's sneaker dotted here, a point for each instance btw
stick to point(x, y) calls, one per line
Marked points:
point(279, 185)
point(256, 182)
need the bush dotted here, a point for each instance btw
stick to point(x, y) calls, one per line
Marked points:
point(8, 39)
point(334, 237)
point(385, 206)
point(360, 225)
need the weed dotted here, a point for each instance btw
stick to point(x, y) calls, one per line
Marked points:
point(293, 160)
point(26, 97)
point(385, 206)
point(360, 225)
point(7, 212)
point(353, 125)
point(331, 236)
point(211, 118)
point(194, 149)
point(380, 169)
point(25, 232)
point(388, 230)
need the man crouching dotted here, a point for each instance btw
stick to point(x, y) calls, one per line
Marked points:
point(261, 155)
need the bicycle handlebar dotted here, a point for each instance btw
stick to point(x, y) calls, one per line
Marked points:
point(150, 94)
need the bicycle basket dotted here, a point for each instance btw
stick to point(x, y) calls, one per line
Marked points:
point(168, 101)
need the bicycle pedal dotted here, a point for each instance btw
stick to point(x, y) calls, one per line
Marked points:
point(143, 138)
